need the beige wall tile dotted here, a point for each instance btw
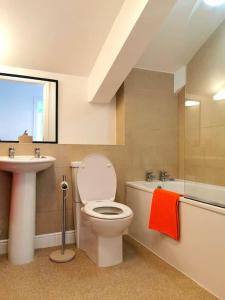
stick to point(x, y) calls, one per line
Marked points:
point(49, 222)
point(150, 143)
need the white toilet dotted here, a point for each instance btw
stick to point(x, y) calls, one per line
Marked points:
point(100, 222)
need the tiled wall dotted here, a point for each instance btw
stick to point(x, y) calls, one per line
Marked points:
point(150, 143)
point(205, 124)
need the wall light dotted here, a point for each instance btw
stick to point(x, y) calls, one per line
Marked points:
point(190, 102)
point(214, 2)
point(219, 95)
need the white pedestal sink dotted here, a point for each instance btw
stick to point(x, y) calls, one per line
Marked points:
point(23, 204)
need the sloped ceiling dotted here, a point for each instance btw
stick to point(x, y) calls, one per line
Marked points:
point(63, 36)
point(99, 40)
point(184, 31)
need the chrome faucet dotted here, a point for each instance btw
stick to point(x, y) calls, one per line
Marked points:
point(37, 152)
point(11, 152)
point(149, 176)
point(163, 175)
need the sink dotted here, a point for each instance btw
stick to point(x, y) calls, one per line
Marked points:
point(28, 163)
point(23, 204)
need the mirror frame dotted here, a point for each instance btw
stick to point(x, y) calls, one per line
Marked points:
point(56, 104)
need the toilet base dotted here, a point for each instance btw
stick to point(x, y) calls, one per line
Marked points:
point(110, 251)
point(103, 251)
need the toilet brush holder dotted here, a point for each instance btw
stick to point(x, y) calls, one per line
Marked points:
point(63, 254)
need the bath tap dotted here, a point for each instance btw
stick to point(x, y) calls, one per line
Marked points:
point(37, 152)
point(149, 176)
point(163, 175)
point(11, 152)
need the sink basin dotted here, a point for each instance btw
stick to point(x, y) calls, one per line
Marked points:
point(25, 163)
point(23, 204)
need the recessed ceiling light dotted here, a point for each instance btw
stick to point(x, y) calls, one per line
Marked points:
point(214, 2)
point(189, 103)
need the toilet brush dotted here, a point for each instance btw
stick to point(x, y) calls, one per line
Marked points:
point(63, 255)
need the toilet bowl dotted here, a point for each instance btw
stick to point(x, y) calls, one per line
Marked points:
point(100, 221)
point(108, 219)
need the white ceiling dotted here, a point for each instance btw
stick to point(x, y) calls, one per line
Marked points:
point(63, 36)
point(66, 36)
point(184, 31)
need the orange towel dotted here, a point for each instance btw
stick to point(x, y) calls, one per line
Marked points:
point(164, 213)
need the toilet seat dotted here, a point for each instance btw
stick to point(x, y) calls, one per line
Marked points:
point(108, 210)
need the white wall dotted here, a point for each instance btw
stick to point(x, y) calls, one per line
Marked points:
point(179, 79)
point(80, 122)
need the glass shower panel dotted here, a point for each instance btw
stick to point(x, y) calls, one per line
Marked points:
point(204, 151)
point(204, 120)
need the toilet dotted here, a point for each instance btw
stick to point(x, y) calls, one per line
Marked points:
point(100, 221)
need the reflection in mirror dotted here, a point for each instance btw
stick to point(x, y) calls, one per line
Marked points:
point(28, 104)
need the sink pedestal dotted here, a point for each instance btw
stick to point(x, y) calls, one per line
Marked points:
point(22, 218)
point(23, 204)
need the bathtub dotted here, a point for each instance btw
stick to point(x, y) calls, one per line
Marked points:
point(200, 253)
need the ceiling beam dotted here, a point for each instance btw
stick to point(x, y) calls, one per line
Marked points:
point(135, 26)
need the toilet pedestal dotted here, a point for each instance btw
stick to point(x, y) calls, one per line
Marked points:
point(110, 251)
point(103, 251)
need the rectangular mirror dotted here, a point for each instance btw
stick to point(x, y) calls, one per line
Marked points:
point(28, 103)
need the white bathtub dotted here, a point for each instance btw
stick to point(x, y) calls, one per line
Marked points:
point(206, 193)
point(200, 253)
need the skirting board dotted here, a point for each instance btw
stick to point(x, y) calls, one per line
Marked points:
point(44, 240)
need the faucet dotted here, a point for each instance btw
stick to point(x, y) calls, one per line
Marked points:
point(163, 175)
point(149, 176)
point(37, 152)
point(11, 152)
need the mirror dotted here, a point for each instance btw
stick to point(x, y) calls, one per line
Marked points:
point(28, 104)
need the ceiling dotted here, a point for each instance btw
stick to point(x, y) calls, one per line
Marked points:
point(67, 36)
point(184, 31)
point(63, 36)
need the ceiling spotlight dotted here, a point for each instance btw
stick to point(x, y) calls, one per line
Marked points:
point(214, 2)
point(189, 103)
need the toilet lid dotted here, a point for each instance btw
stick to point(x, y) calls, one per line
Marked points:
point(96, 179)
